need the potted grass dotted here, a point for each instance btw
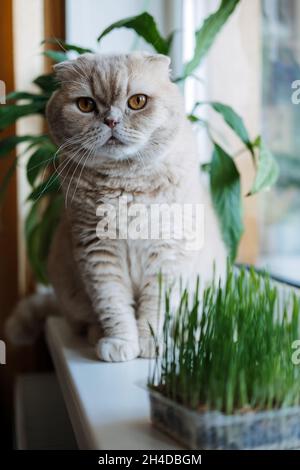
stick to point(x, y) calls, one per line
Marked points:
point(226, 378)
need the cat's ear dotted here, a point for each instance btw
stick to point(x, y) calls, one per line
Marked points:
point(62, 70)
point(160, 59)
point(161, 62)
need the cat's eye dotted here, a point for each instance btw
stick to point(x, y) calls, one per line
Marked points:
point(137, 102)
point(86, 105)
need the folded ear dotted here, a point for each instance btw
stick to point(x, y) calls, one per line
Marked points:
point(160, 59)
point(161, 63)
point(62, 70)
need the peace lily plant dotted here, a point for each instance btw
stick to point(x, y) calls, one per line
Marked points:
point(45, 200)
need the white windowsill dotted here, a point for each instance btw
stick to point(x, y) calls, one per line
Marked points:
point(108, 408)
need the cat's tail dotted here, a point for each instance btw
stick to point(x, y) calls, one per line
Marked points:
point(28, 318)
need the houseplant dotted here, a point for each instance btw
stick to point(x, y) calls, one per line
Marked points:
point(45, 200)
point(226, 378)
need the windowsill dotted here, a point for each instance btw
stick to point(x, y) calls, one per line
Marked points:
point(107, 407)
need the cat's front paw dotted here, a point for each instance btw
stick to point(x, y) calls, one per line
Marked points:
point(147, 347)
point(116, 349)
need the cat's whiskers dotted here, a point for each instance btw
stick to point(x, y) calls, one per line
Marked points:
point(59, 44)
point(71, 160)
point(129, 135)
point(57, 174)
point(51, 180)
point(82, 140)
point(70, 141)
point(48, 161)
point(21, 165)
point(82, 168)
point(71, 178)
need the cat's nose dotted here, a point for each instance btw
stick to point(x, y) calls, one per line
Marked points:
point(110, 122)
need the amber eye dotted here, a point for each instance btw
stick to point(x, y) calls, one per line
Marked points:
point(137, 101)
point(86, 105)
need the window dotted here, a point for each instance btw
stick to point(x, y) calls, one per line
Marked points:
point(281, 123)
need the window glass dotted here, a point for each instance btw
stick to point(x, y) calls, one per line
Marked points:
point(280, 244)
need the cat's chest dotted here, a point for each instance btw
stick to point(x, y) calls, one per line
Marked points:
point(87, 191)
point(121, 209)
point(95, 200)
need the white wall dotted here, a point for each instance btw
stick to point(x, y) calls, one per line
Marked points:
point(85, 20)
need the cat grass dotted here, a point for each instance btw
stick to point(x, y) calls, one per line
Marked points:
point(229, 348)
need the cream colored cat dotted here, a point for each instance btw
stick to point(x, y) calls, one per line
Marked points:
point(124, 138)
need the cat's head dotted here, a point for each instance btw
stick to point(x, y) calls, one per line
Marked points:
point(115, 107)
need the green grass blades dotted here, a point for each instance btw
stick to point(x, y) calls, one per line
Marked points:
point(228, 347)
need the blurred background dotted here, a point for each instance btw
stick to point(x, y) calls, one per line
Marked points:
point(251, 67)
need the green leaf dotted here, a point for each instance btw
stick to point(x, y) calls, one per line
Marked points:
point(23, 95)
point(226, 195)
point(267, 170)
point(206, 35)
point(169, 41)
point(33, 253)
point(234, 121)
point(39, 229)
point(193, 118)
point(9, 143)
point(206, 167)
point(41, 158)
point(51, 185)
point(6, 179)
point(31, 219)
point(144, 25)
point(196, 120)
point(49, 222)
point(9, 114)
point(47, 83)
point(66, 46)
point(56, 56)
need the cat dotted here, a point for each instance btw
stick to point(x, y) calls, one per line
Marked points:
point(123, 135)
